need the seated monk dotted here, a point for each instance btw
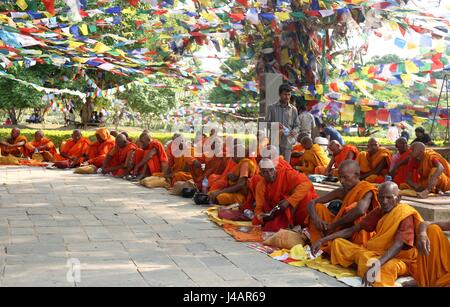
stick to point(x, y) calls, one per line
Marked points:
point(41, 145)
point(263, 142)
point(114, 133)
point(314, 160)
point(399, 166)
point(286, 189)
point(358, 198)
point(340, 154)
point(180, 159)
point(433, 261)
point(375, 162)
point(118, 161)
point(392, 245)
point(297, 150)
point(234, 190)
point(150, 159)
point(15, 145)
point(74, 151)
point(98, 150)
point(432, 169)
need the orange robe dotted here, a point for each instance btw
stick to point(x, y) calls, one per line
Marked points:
point(220, 181)
point(78, 149)
point(98, 151)
point(296, 148)
point(246, 168)
point(155, 163)
point(16, 151)
point(426, 170)
point(402, 171)
point(434, 270)
point(349, 202)
point(291, 185)
point(346, 253)
point(368, 163)
point(48, 152)
point(180, 166)
point(119, 156)
point(342, 156)
point(314, 160)
point(213, 166)
point(264, 143)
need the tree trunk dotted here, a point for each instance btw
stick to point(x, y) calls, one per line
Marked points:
point(12, 115)
point(87, 110)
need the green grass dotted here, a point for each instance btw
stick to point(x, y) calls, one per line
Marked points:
point(57, 136)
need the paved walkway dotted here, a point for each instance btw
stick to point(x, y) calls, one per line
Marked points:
point(123, 235)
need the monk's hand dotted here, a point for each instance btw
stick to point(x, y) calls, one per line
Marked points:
point(320, 225)
point(423, 244)
point(213, 196)
point(284, 204)
point(423, 194)
point(365, 280)
point(232, 177)
point(316, 247)
point(330, 228)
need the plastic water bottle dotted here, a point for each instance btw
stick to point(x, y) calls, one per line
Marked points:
point(291, 140)
point(388, 178)
point(249, 214)
point(205, 185)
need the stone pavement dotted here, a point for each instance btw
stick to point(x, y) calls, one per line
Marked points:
point(123, 235)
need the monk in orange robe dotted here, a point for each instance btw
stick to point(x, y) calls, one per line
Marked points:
point(433, 261)
point(358, 198)
point(375, 162)
point(118, 161)
point(73, 151)
point(340, 154)
point(297, 151)
point(234, 190)
point(263, 142)
point(41, 145)
point(399, 166)
point(432, 169)
point(180, 158)
point(392, 245)
point(150, 159)
point(98, 150)
point(15, 145)
point(284, 189)
point(314, 159)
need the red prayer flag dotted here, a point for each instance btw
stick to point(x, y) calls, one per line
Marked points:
point(49, 6)
point(243, 2)
point(133, 2)
point(371, 117)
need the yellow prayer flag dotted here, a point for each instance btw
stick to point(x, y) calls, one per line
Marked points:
point(285, 57)
point(22, 4)
point(411, 67)
point(366, 108)
point(410, 45)
point(419, 120)
point(319, 89)
point(208, 16)
point(101, 48)
point(130, 11)
point(283, 16)
point(84, 29)
point(347, 112)
point(75, 45)
point(309, 97)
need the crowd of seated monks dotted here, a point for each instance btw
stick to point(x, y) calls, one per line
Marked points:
point(369, 220)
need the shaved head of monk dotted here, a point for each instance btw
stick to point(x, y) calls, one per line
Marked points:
point(402, 145)
point(15, 132)
point(39, 135)
point(417, 150)
point(373, 146)
point(335, 147)
point(307, 142)
point(76, 135)
point(114, 133)
point(349, 173)
point(300, 136)
point(388, 196)
point(267, 170)
point(175, 136)
point(144, 139)
point(121, 140)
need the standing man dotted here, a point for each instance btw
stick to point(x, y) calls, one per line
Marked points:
point(306, 119)
point(286, 115)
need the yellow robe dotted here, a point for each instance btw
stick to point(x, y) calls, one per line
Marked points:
point(368, 163)
point(346, 253)
point(426, 170)
point(314, 160)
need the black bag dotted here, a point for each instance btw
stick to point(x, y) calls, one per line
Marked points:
point(188, 192)
point(201, 199)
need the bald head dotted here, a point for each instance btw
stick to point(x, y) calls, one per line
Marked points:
point(335, 147)
point(349, 172)
point(417, 150)
point(15, 132)
point(144, 140)
point(402, 145)
point(307, 142)
point(121, 140)
point(39, 135)
point(388, 196)
point(300, 136)
point(114, 133)
point(76, 135)
point(372, 146)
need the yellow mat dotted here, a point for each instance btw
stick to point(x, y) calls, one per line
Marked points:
point(213, 215)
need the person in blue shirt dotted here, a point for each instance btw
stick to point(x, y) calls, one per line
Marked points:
point(331, 133)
